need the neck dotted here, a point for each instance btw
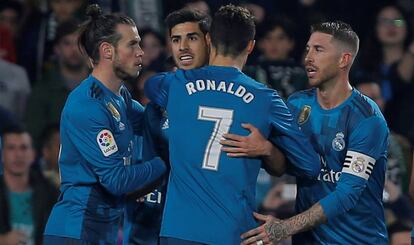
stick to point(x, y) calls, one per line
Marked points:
point(107, 77)
point(221, 60)
point(332, 94)
point(17, 183)
point(392, 53)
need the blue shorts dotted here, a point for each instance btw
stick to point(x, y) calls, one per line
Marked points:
point(176, 241)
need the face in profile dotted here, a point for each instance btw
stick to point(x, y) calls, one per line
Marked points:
point(188, 45)
point(322, 59)
point(127, 59)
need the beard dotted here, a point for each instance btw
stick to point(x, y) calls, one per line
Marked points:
point(121, 72)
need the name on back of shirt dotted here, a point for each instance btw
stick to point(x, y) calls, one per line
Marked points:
point(222, 86)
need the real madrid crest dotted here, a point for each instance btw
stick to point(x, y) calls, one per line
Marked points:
point(338, 144)
point(358, 165)
point(304, 114)
point(114, 111)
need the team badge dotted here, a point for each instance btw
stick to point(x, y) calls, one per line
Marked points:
point(106, 142)
point(114, 111)
point(358, 165)
point(338, 144)
point(304, 114)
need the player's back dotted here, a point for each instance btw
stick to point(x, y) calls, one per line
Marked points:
point(210, 195)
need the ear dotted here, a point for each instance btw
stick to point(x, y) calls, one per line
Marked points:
point(345, 60)
point(106, 50)
point(250, 46)
point(208, 39)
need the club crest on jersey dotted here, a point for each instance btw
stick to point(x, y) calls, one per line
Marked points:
point(106, 142)
point(304, 114)
point(358, 165)
point(338, 144)
point(114, 111)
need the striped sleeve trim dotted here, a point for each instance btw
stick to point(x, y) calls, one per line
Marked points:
point(358, 164)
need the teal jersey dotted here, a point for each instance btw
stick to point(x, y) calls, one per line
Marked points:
point(351, 140)
point(211, 197)
point(97, 144)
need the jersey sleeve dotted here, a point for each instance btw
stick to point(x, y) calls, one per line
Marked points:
point(156, 88)
point(86, 128)
point(303, 160)
point(367, 143)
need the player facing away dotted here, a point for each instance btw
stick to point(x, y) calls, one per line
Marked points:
point(210, 196)
point(187, 32)
point(96, 135)
point(344, 204)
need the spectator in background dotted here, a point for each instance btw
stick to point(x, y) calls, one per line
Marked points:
point(198, 5)
point(276, 67)
point(153, 44)
point(41, 30)
point(50, 153)
point(11, 13)
point(399, 233)
point(14, 88)
point(50, 93)
point(26, 197)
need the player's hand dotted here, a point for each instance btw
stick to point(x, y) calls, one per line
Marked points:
point(253, 145)
point(266, 233)
point(13, 237)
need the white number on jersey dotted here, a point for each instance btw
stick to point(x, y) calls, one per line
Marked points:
point(223, 119)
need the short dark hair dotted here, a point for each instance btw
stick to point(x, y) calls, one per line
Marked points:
point(187, 15)
point(281, 21)
point(13, 129)
point(340, 31)
point(231, 29)
point(66, 28)
point(100, 28)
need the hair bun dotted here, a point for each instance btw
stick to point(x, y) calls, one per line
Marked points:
point(94, 11)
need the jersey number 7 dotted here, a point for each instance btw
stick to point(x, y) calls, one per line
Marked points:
point(222, 119)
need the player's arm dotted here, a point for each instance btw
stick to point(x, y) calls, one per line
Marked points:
point(156, 88)
point(87, 125)
point(255, 145)
point(287, 148)
point(366, 144)
point(274, 230)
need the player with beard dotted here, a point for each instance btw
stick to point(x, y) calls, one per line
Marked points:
point(96, 135)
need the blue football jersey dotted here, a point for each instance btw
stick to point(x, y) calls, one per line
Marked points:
point(211, 197)
point(95, 163)
point(143, 220)
point(351, 140)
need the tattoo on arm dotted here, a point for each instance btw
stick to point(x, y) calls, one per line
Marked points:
point(281, 229)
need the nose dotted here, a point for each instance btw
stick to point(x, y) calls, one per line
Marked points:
point(140, 52)
point(308, 57)
point(183, 45)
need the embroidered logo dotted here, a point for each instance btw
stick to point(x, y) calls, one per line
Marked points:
point(304, 114)
point(106, 142)
point(338, 144)
point(114, 111)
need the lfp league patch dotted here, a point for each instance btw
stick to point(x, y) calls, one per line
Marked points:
point(106, 142)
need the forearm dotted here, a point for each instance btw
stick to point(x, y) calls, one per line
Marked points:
point(274, 160)
point(299, 223)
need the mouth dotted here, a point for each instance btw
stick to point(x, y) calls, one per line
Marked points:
point(186, 59)
point(311, 71)
point(138, 65)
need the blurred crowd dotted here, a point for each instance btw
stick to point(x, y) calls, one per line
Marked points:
point(40, 63)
